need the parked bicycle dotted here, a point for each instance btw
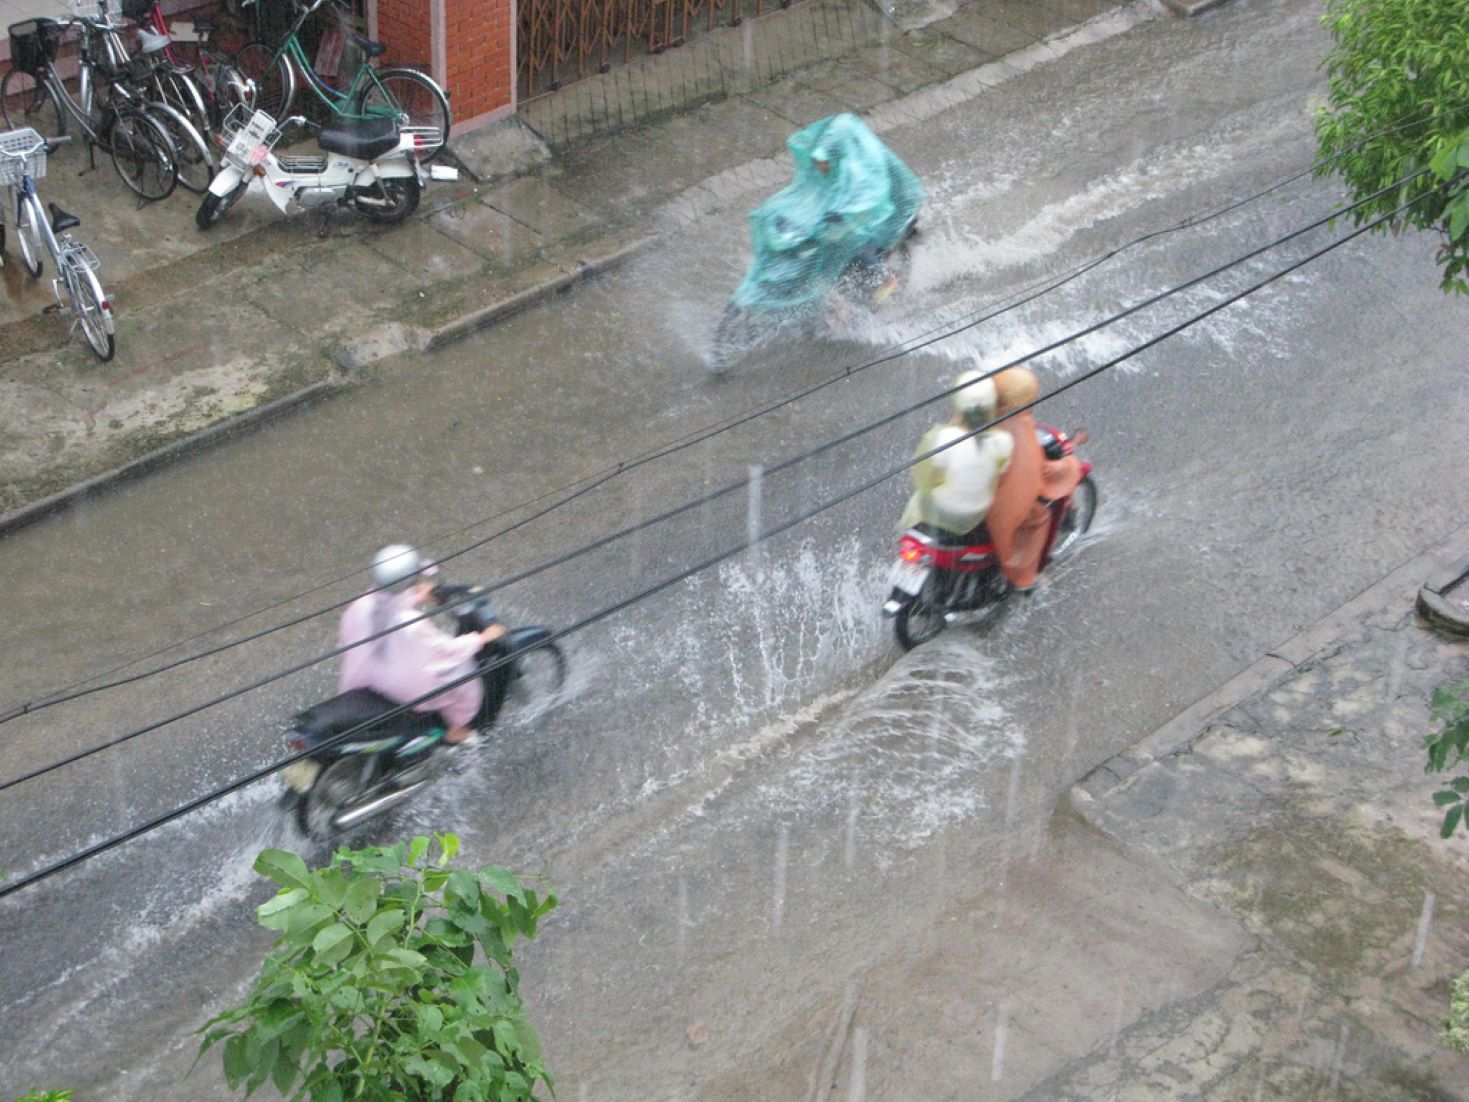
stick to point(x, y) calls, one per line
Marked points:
point(193, 50)
point(22, 162)
point(405, 95)
point(169, 94)
point(34, 95)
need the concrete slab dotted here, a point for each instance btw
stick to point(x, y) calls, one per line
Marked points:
point(491, 234)
point(534, 201)
point(899, 71)
point(362, 280)
point(943, 52)
point(429, 255)
point(975, 27)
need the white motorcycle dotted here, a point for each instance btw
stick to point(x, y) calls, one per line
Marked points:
point(371, 165)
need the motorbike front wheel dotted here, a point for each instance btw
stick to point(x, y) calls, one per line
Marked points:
point(920, 619)
point(336, 788)
point(736, 336)
point(1078, 518)
point(213, 208)
point(388, 201)
point(539, 673)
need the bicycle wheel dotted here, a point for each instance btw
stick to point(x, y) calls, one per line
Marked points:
point(25, 101)
point(411, 97)
point(275, 84)
point(28, 233)
point(93, 313)
point(182, 92)
point(143, 154)
point(193, 160)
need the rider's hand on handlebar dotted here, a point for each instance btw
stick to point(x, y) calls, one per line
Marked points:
point(491, 633)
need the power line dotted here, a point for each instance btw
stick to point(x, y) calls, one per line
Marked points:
point(593, 481)
point(218, 793)
point(669, 514)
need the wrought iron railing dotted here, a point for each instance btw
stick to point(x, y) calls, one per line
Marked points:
point(560, 41)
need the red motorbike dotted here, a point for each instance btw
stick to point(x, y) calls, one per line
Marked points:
point(941, 579)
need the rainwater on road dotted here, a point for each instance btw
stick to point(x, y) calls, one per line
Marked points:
point(745, 787)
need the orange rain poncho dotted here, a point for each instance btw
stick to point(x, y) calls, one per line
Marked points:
point(1019, 520)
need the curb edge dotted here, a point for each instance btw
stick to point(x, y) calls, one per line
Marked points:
point(35, 510)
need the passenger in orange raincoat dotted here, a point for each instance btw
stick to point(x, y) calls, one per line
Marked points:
point(1019, 518)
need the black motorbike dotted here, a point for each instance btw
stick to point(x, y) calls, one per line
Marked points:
point(386, 761)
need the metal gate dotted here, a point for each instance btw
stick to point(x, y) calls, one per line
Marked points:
point(561, 41)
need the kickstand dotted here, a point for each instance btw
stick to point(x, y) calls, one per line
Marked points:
point(323, 231)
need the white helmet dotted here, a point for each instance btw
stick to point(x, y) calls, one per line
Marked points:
point(977, 395)
point(398, 566)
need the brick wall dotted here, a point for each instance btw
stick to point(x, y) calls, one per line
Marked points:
point(477, 50)
point(479, 54)
point(405, 27)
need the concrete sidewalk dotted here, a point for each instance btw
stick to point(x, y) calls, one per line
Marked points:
point(1253, 903)
point(217, 331)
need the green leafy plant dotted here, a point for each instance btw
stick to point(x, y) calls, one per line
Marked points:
point(1448, 747)
point(1399, 105)
point(1456, 1025)
point(46, 1096)
point(390, 978)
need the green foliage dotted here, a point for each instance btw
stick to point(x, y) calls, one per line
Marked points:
point(46, 1096)
point(1399, 94)
point(1447, 748)
point(1456, 1025)
point(390, 978)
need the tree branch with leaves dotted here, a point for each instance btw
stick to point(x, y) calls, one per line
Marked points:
point(1398, 118)
point(390, 978)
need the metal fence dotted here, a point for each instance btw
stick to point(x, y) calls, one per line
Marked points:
point(710, 65)
point(560, 41)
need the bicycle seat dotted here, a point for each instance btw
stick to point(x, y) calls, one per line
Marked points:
point(368, 46)
point(205, 26)
point(60, 220)
point(364, 139)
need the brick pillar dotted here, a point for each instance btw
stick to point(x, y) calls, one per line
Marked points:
point(468, 46)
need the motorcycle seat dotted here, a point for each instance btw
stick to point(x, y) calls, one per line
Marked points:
point(975, 537)
point(365, 139)
point(352, 709)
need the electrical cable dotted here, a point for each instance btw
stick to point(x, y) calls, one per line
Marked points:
point(220, 792)
point(1029, 294)
point(660, 518)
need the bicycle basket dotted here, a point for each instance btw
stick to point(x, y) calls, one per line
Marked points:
point(12, 168)
point(33, 44)
point(248, 135)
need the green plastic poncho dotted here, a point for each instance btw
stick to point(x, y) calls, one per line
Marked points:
point(808, 233)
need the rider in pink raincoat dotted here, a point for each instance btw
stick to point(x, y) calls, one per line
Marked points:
point(405, 664)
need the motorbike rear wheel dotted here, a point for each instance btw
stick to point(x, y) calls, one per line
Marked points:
point(921, 619)
point(336, 788)
point(395, 199)
point(1078, 518)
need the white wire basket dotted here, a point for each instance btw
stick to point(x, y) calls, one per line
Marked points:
point(14, 167)
point(248, 135)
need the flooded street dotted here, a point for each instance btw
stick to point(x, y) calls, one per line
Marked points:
point(746, 790)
